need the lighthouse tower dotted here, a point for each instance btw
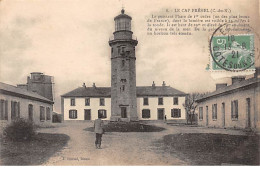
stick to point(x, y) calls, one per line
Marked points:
point(123, 71)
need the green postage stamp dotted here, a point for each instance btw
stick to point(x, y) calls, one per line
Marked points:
point(232, 52)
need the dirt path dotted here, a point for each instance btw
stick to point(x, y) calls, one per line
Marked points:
point(118, 148)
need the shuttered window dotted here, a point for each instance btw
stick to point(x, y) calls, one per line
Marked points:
point(48, 113)
point(175, 101)
point(15, 110)
point(146, 113)
point(42, 113)
point(201, 113)
point(176, 113)
point(87, 102)
point(160, 101)
point(73, 114)
point(234, 109)
point(102, 102)
point(214, 112)
point(103, 113)
point(72, 102)
point(146, 101)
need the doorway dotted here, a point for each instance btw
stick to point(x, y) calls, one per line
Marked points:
point(248, 105)
point(207, 115)
point(87, 115)
point(160, 113)
point(123, 112)
point(223, 115)
point(30, 112)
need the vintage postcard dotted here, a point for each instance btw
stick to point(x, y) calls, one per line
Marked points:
point(120, 82)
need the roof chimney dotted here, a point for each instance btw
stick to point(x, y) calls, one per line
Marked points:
point(153, 85)
point(163, 84)
point(222, 85)
point(237, 79)
point(84, 85)
point(94, 85)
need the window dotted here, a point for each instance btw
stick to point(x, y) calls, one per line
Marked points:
point(123, 63)
point(234, 109)
point(48, 113)
point(42, 113)
point(6, 110)
point(118, 50)
point(15, 110)
point(87, 102)
point(72, 102)
point(73, 114)
point(123, 49)
point(160, 101)
point(207, 115)
point(146, 102)
point(3, 109)
point(103, 113)
point(176, 113)
point(175, 101)
point(123, 80)
point(214, 112)
point(201, 113)
point(102, 102)
point(122, 24)
point(30, 112)
point(146, 113)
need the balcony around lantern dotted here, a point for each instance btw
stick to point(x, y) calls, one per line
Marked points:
point(122, 37)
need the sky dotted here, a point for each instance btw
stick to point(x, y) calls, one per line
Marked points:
point(69, 40)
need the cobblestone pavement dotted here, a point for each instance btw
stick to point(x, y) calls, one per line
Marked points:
point(119, 148)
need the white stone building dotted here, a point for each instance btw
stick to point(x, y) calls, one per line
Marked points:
point(20, 103)
point(153, 103)
point(232, 106)
point(123, 101)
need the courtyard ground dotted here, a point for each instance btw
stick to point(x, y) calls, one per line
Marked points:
point(128, 148)
point(34, 152)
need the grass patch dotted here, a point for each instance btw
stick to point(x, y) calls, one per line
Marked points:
point(128, 127)
point(214, 149)
point(33, 152)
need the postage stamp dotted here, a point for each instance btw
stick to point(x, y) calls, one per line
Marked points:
point(232, 48)
point(233, 52)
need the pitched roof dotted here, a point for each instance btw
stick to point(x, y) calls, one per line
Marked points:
point(231, 88)
point(19, 92)
point(140, 91)
point(158, 91)
point(89, 92)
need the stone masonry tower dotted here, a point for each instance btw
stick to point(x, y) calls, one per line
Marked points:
point(123, 71)
point(41, 84)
